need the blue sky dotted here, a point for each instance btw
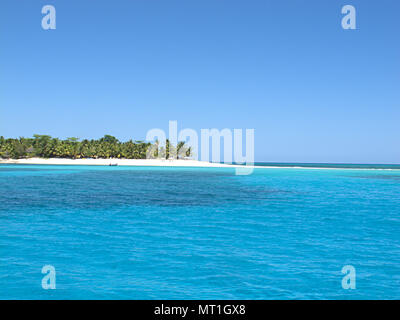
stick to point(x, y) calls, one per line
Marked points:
point(312, 91)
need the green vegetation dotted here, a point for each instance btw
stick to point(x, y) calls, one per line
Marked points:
point(45, 146)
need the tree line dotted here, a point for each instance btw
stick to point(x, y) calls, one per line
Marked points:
point(44, 146)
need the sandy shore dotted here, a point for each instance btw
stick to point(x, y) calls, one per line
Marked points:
point(248, 169)
point(120, 162)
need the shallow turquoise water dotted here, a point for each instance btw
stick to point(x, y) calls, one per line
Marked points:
point(204, 233)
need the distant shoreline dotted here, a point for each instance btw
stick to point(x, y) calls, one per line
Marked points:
point(120, 162)
point(195, 163)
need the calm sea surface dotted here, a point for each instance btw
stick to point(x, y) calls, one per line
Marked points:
point(205, 233)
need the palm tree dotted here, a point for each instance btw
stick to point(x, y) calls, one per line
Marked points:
point(106, 147)
point(188, 152)
point(179, 148)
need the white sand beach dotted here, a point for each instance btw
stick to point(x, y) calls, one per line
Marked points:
point(166, 163)
point(119, 162)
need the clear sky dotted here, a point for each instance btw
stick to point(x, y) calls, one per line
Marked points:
point(312, 91)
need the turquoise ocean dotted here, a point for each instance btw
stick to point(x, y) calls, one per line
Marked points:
point(199, 233)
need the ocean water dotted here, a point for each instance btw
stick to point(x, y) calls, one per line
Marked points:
point(198, 233)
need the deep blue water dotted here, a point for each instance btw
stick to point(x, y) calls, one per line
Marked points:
point(198, 233)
